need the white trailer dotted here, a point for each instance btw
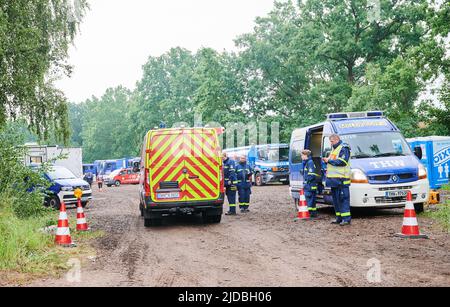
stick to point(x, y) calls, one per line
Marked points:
point(38, 154)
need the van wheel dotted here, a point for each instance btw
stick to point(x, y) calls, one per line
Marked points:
point(142, 212)
point(152, 222)
point(419, 207)
point(117, 183)
point(211, 219)
point(54, 202)
point(258, 179)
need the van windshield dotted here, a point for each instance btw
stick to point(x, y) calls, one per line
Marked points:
point(377, 145)
point(274, 154)
point(59, 173)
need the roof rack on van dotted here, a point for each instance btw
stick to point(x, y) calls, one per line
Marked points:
point(349, 115)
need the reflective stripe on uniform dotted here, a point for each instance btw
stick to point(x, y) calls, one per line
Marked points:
point(346, 214)
point(338, 171)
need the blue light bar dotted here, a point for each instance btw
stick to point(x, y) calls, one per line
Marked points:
point(337, 115)
point(375, 113)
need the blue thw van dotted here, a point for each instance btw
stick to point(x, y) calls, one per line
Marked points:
point(270, 162)
point(63, 184)
point(383, 166)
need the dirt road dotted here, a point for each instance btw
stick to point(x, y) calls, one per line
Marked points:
point(261, 248)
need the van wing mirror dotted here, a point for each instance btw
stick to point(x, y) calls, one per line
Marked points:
point(418, 152)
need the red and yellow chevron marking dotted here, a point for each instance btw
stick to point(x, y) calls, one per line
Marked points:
point(189, 156)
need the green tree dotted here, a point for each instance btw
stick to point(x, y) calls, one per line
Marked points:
point(34, 39)
point(218, 96)
point(105, 125)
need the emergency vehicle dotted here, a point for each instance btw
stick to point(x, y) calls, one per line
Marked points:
point(383, 166)
point(122, 176)
point(270, 162)
point(181, 173)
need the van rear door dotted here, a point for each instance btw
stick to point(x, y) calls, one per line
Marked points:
point(202, 165)
point(166, 165)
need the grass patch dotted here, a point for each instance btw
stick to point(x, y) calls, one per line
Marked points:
point(441, 213)
point(27, 253)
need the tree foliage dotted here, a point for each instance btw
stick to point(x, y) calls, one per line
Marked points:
point(303, 60)
point(34, 39)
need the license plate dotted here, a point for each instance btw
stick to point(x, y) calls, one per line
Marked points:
point(174, 195)
point(396, 194)
point(284, 179)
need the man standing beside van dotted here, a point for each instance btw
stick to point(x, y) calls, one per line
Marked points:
point(244, 183)
point(311, 179)
point(229, 173)
point(339, 179)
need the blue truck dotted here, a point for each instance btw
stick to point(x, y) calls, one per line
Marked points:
point(435, 157)
point(383, 165)
point(89, 168)
point(270, 162)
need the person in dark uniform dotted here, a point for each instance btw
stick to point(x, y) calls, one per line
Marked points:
point(229, 173)
point(339, 179)
point(244, 183)
point(311, 180)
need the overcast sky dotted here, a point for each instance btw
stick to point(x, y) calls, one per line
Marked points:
point(117, 36)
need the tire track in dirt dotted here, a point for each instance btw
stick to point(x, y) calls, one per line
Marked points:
point(262, 248)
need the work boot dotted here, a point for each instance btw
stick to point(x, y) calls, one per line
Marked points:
point(345, 223)
point(230, 213)
point(336, 222)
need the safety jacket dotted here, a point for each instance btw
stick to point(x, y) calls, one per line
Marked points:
point(342, 170)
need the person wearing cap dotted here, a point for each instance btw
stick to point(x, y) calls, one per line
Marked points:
point(229, 174)
point(339, 179)
point(244, 174)
point(311, 179)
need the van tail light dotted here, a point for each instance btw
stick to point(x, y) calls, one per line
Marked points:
point(222, 181)
point(147, 182)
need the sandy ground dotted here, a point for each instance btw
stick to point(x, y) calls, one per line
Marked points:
point(262, 248)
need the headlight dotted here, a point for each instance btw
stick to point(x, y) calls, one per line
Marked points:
point(422, 172)
point(358, 176)
point(66, 189)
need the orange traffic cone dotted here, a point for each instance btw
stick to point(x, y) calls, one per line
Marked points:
point(303, 212)
point(63, 232)
point(81, 218)
point(410, 228)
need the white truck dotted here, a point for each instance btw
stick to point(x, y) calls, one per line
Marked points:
point(37, 154)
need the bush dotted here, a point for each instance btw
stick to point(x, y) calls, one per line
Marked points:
point(23, 187)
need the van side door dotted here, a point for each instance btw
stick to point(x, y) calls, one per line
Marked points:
point(295, 159)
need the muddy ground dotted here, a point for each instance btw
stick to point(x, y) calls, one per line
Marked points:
point(262, 248)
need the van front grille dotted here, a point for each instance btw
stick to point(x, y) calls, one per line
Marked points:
point(393, 200)
point(395, 188)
